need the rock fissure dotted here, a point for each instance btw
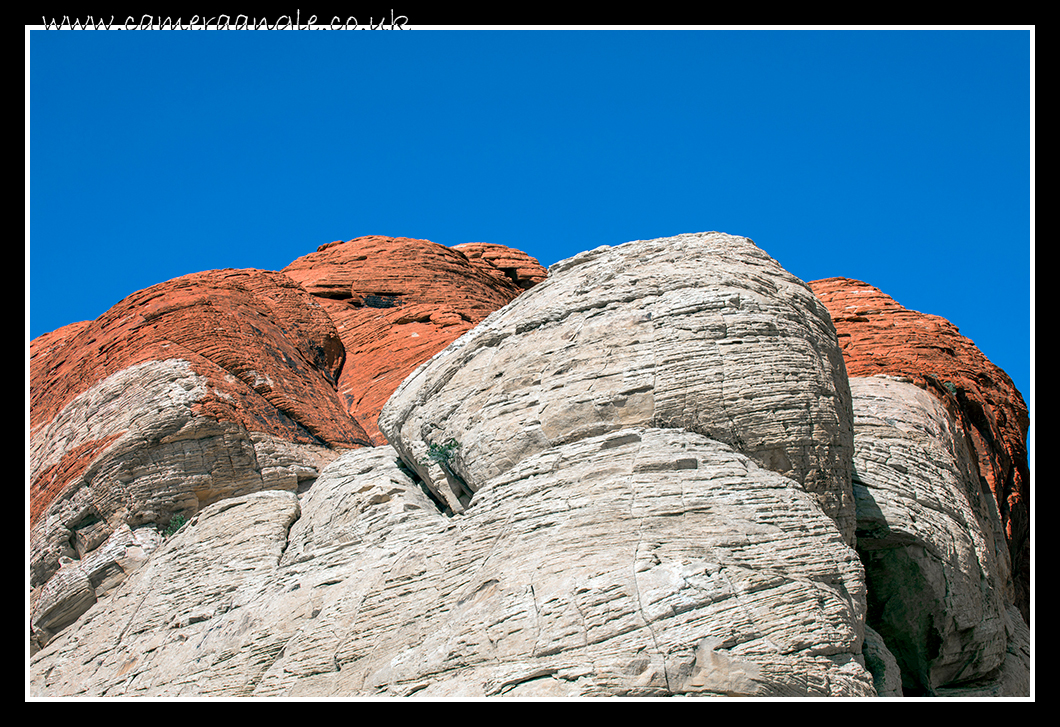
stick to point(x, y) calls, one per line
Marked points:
point(647, 622)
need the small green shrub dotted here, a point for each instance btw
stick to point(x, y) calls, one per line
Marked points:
point(175, 524)
point(441, 453)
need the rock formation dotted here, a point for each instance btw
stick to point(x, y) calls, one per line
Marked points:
point(206, 387)
point(398, 301)
point(504, 263)
point(931, 540)
point(738, 350)
point(879, 336)
point(222, 383)
point(554, 583)
point(648, 475)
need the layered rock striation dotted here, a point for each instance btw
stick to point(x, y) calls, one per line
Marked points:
point(499, 261)
point(933, 546)
point(205, 387)
point(880, 336)
point(615, 573)
point(703, 332)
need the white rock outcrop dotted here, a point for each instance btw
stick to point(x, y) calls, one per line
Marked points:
point(703, 332)
point(640, 562)
point(639, 485)
point(162, 459)
point(933, 546)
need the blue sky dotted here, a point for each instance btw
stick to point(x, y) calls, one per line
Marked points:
point(901, 158)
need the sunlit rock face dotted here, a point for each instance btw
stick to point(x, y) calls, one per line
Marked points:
point(703, 332)
point(226, 382)
point(204, 387)
point(641, 562)
point(645, 473)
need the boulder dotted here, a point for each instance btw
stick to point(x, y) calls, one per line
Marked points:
point(931, 540)
point(880, 336)
point(704, 332)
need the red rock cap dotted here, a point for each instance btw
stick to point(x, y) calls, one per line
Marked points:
point(397, 301)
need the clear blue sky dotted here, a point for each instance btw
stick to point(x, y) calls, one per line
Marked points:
point(902, 158)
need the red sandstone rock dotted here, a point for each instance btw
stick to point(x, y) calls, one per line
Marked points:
point(271, 354)
point(52, 480)
point(205, 387)
point(504, 262)
point(879, 336)
point(398, 301)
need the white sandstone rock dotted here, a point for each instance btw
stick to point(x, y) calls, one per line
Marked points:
point(164, 459)
point(930, 537)
point(704, 332)
point(640, 562)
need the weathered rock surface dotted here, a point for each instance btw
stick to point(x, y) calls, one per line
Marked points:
point(704, 332)
point(646, 476)
point(879, 336)
point(398, 301)
point(1013, 677)
point(256, 326)
point(931, 540)
point(500, 261)
point(205, 387)
point(886, 674)
point(225, 382)
point(617, 541)
point(79, 583)
point(638, 562)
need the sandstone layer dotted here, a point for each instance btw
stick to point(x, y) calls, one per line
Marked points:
point(640, 563)
point(500, 261)
point(704, 332)
point(879, 336)
point(208, 386)
point(398, 301)
point(933, 546)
